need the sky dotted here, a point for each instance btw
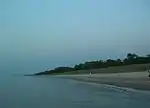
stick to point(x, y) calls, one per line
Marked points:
point(42, 34)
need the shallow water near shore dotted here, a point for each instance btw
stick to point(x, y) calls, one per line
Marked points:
point(18, 91)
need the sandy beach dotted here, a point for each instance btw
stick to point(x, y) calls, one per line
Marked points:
point(135, 80)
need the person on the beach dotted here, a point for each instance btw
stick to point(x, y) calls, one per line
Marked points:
point(90, 73)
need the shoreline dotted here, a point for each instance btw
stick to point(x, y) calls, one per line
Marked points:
point(133, 80)
point(115, 87)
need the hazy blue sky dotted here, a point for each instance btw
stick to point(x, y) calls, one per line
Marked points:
point(40, 34)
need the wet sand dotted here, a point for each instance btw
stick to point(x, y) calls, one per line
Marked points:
point(135, 80)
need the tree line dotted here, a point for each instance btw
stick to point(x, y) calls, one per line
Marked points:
point(131, 58)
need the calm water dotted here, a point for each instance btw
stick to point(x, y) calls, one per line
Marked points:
point(53, 92)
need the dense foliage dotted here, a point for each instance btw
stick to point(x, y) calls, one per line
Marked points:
point(130, 59)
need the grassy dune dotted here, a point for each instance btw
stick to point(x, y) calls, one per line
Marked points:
point(116, 69)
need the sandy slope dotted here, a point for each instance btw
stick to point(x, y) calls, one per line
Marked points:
point(137, 80)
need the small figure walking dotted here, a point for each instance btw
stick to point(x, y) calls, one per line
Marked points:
point(90, 73)
point(149, 73)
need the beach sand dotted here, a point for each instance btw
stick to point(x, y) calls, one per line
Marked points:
point(135, 80)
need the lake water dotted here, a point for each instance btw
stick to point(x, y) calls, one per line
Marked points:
point(52, 92)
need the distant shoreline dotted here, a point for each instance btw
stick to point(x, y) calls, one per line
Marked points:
point(131, 76)
point(135, 80)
